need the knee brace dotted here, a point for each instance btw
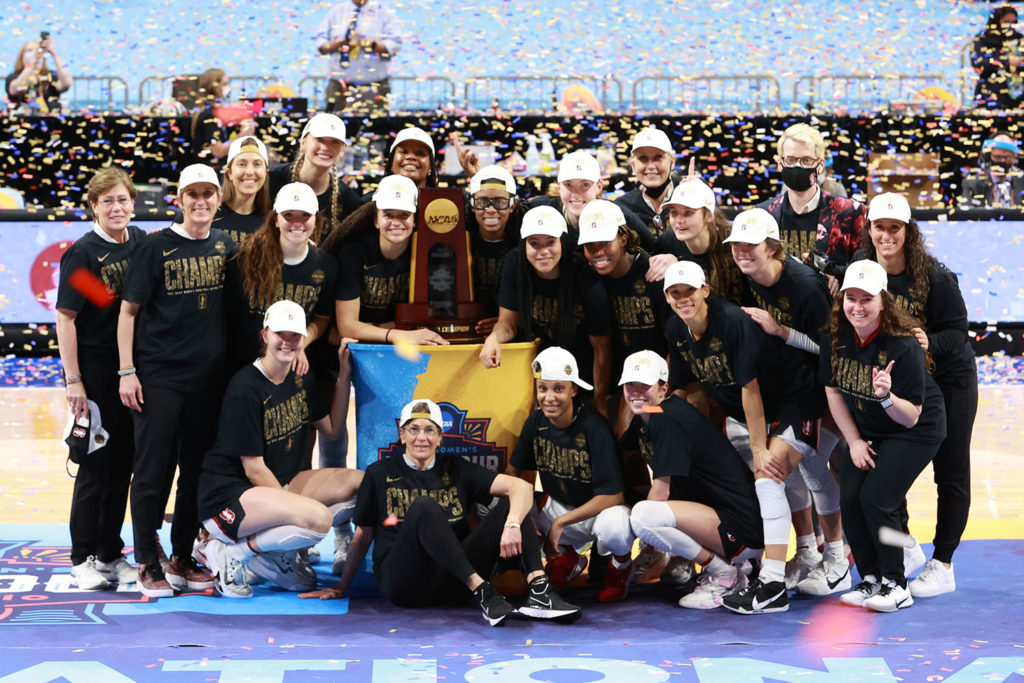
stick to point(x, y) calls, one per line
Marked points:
point(797, 493)
point(771, 496)
point(613, 531)
point(823, 486)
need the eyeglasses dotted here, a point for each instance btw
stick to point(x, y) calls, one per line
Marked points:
point(109, 202)
point(499, 203)
point(428, 432)
point(803, 162)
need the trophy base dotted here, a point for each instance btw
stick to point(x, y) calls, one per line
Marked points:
point(458, 328)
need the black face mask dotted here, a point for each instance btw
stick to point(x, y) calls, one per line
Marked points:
point(798, 178)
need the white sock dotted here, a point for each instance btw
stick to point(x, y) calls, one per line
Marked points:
point(834, 551)
point(719, 568)
point(772, 570)
point(807, 541)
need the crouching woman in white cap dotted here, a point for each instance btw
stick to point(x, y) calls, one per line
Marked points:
point(572, 446)
point(256, 506)
point(415, 506)
point(702, 504)
point(893, 416)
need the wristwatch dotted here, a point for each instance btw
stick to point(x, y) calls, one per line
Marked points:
point(887, 401)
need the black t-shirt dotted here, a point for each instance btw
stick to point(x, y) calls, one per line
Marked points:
point(390, 486)
point(635, 202)
point(737, 292)
point(179, 285)
point(799, 231)
point(348, 199)
point(576, 463)
point(943, 315)
point(648, 238)
point(44, 95)
point(488, 258)
point(238, 226)
point(208, 129)
point(96, 328)
point(799, 300)
point(703, 467)
point(639, 311)
point(910, 380)
point(378, 283)
point(258, 418)
point(311, 284)
point(733, 351)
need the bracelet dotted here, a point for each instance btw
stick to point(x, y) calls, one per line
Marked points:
point(72, 379)
point(386, 335)
point(126, 370)
point(511, 525)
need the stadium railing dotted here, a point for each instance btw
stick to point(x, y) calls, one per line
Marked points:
point(861, 92)
point(98, 93)
point(408, 93)
point(540, 93)
point(731, 94)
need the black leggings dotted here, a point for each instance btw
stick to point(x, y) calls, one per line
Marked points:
point(429, 565)
point(871, 499)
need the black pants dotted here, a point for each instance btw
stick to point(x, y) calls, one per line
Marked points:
point(429, 565)
point(174, 429)
point(952, 468)
point(871, 499)
point(358, 98)
point(100, 495)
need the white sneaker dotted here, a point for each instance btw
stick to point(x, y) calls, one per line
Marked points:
point(913, 558)
point(708, 593)
point(118, 571)
point(87, 578)
point(934, 580)
point(800, 565)
point(283, 569)
point(678, 572)
point(890, 598)
point(314, 555)
point(342, 540)
point(228, 570)
point(199, 548)
point(648, 563)
point(827, 578)
point(867, 588)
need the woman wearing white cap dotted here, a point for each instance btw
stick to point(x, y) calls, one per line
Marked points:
point(257, 505)
point(493, 217)
point(702, 504)
point(87, 337)
point(891, 412)
point(929, 291)
point(771, 400)
point(321, 145)
point(171, 324)
point(698, 232)
point(793, 304)
point(374, 270)
point(412, 155)
point(573, 449)
point(651, 162)
point(413, 506)
point(545, 294)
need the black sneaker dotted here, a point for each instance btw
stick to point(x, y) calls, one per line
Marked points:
point(493, 604)
point(543, 602)
point(758, 598)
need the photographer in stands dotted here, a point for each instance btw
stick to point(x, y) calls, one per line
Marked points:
point(33, 88)
point(997, 181)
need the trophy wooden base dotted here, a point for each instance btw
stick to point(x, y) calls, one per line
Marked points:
point(458, 328)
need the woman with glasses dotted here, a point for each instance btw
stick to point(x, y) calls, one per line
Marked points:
point(87, 338)
point(415, 506)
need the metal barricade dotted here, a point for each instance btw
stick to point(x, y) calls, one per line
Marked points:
point(855, 93)
point(539, 93)
point(158, 87)
point(408, 93)
point(968, 76)
point(720, 94)
point(98, 94)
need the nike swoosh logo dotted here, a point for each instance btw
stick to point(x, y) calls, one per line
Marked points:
point(833, 584)
point(103, 258)
point(369, 267)
point(171, 251)
point(542, 603)
point(391, 480)
point(757, 605)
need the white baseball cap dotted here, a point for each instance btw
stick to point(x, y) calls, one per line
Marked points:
point(889, 205)
point(324, 125)
point(579, 165)
point(600, 221)
point(417, 134)
point(296, 197)
point(285, 316)
point(555, 364)
point(652, 137)
point(492, 175)
point(433, 413)
point(753, 227)
point(867, 275)
point(543, 220)
point(195, 174)
point(645, 367)
point(245, 144)
point(396, 192)
point(693, 194)
point(685, 273)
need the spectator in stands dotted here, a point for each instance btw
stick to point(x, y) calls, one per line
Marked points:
point(32, 88)
point(820, 229)
point(996, 57)
point(361, 38)
point(208, 133)
point(998, 180)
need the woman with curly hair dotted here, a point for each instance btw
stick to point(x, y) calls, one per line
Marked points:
point(927, 290)
point(890, 410)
